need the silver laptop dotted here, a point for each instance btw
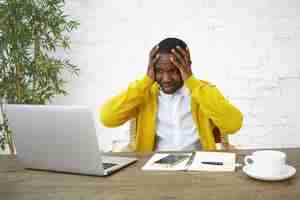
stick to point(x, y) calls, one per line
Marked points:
point(60, 138)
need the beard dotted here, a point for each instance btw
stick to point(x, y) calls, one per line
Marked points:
point(172, 88)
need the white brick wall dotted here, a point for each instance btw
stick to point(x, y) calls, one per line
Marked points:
point(248, 48)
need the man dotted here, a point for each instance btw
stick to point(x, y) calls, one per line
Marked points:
point(174, 110)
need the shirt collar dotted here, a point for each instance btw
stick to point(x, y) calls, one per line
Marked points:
point(183, 91)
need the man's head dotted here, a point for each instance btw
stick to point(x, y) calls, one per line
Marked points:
point(167, 74)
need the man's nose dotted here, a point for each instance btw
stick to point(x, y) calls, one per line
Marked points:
point(166, 77)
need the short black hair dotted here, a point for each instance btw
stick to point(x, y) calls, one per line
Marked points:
point(166, 45)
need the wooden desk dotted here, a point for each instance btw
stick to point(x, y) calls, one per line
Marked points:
point(133, 183)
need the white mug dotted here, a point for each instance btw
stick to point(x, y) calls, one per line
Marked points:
point(267, 162)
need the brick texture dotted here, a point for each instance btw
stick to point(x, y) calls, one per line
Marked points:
point(247, 48)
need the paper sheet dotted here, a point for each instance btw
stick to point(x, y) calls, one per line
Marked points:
point(228, 160)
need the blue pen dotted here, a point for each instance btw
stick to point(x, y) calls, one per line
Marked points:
point(212, 163)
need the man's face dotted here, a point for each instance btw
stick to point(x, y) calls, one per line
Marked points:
point(167, 75)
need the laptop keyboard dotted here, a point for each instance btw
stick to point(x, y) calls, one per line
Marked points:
point(108, 165)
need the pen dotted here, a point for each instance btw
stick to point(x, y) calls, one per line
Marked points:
point(212, 163)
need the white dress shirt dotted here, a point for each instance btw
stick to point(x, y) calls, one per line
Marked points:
point(175, 128)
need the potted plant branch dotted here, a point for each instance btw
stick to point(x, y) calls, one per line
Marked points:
point(31, 31)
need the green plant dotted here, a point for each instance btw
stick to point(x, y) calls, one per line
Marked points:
point(31, 31)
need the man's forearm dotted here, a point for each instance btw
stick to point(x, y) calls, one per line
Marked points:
point(123, 107)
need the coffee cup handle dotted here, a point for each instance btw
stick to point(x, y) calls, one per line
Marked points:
point(246, 160)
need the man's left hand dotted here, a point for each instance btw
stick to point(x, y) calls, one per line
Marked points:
point(181, 59)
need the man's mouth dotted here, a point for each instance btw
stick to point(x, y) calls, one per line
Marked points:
point(167, 86)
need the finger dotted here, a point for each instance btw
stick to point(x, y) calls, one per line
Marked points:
point(174, 62)
point(183, 53)
point(178, 56)
point(154, 51)
point(154, 60)
point(188, 54)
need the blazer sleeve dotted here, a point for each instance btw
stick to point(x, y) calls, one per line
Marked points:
point(124, 106)
point(222, 113)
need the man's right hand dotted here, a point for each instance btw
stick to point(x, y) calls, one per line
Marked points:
point(153, 58)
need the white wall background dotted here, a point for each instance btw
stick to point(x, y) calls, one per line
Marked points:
point(247, 48)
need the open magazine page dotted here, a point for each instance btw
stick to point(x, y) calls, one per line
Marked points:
point(167, 162)
point(197, 161)
point(213, 161)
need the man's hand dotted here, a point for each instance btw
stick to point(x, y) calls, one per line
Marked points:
point(182, 61)
point(153, 58)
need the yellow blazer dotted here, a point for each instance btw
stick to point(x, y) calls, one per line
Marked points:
point(209, 110)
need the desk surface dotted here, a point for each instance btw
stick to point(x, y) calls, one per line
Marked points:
point(133, 183)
